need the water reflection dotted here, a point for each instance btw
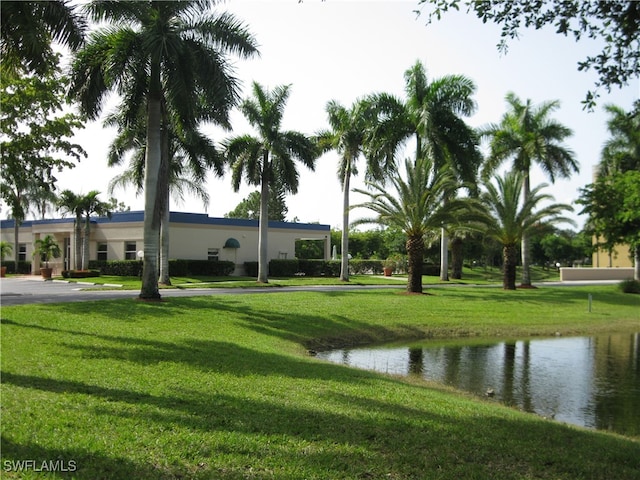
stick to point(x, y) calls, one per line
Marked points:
point(588, 381)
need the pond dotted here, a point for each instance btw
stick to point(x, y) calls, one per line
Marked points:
point(588, 381)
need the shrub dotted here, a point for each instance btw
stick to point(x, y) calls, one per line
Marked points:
point(284, 268)
point(80, 273)
point(24, 267)
point(251, 269)
point(120, 268)
point(630, 286)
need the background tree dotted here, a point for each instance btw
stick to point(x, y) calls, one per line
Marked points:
point(35, 140)
point(268, 158)
point(189, 156)
point(27, 30)
point(613, 205)
point(91, 205)
point(347, 136)
point(510, 216)
point(415, 206)
point(161, 56)
point(249, 207)
point(613, 200)
point(526, 135)
point(621, 152)
point(431, 118)
point(70, 202)
point(617, 24)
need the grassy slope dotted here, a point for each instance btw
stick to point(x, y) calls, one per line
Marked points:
point(221, 388)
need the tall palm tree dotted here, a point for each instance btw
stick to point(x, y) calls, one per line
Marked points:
point(621, 152)
point(91, 205)
point(510, 216)
point(190, 156)
point(28, 28)
point(415, 206)
point(268, 158)
point(347, 135)
point(431, 117)
point(70, 202)
point(160, 56)
point(527, 135)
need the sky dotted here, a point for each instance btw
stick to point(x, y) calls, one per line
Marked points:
point(343, 50)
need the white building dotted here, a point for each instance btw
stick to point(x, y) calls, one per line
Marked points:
point(192, 236)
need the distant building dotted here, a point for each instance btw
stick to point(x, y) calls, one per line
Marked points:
point(619, 257)
point(192, 236)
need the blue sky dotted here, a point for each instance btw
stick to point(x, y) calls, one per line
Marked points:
point(342, 50)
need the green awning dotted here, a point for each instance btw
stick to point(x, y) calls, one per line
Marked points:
point(231, 243)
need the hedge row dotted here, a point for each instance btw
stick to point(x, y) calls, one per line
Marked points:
point(326, 268)
point(24, 267)
point(177, 268)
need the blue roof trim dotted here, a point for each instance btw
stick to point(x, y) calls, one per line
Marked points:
point(177, 217)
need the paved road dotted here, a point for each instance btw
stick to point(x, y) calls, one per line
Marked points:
point(27, 290)
point(32, 289)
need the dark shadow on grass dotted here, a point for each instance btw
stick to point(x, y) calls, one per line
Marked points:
point(78, 463)
point(384, 438)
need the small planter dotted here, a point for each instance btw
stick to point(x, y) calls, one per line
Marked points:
point(3, 272)
point(388, 271)
point(46, 273)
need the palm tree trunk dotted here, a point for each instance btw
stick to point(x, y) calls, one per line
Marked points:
point(344, 261)
point(525, 250)
point(85, 244)
point(163, 193)
point(509, 255)
point(16, 247)
point(263, 261)
point(444, 256)
point(149, 289)
point(456, 258)
point(77, 243)
point(165, 278)
point(415, 254)
point(636, 258)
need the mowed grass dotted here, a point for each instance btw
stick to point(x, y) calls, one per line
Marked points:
point(222, 387)
point(471, 276)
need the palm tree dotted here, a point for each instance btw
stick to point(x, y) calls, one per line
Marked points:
point(621, 152)
point(268, 158)
point(347, 135)
point(415, 206)
point(526, 135)
point(162, 56)
point(47, 248)
point(190, 156)
point(91, 204)
point(510, 216)
point(72, 203)
point(28, 28)
point(431, 117)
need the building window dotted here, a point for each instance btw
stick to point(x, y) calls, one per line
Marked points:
point(282, 255)
point(130, 251)
point(213, 254)
point(22, 252)
point(102, 251)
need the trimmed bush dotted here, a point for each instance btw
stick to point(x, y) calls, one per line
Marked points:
point(430, 270)
point(630, 286)
point(177, 268)
point(284, 268)
point(251, 269)
point(119, 268)
point(80, 273)
point(24, 267)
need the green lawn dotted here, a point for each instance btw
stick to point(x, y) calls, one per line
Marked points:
point(477, 276)
point(222, 387)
